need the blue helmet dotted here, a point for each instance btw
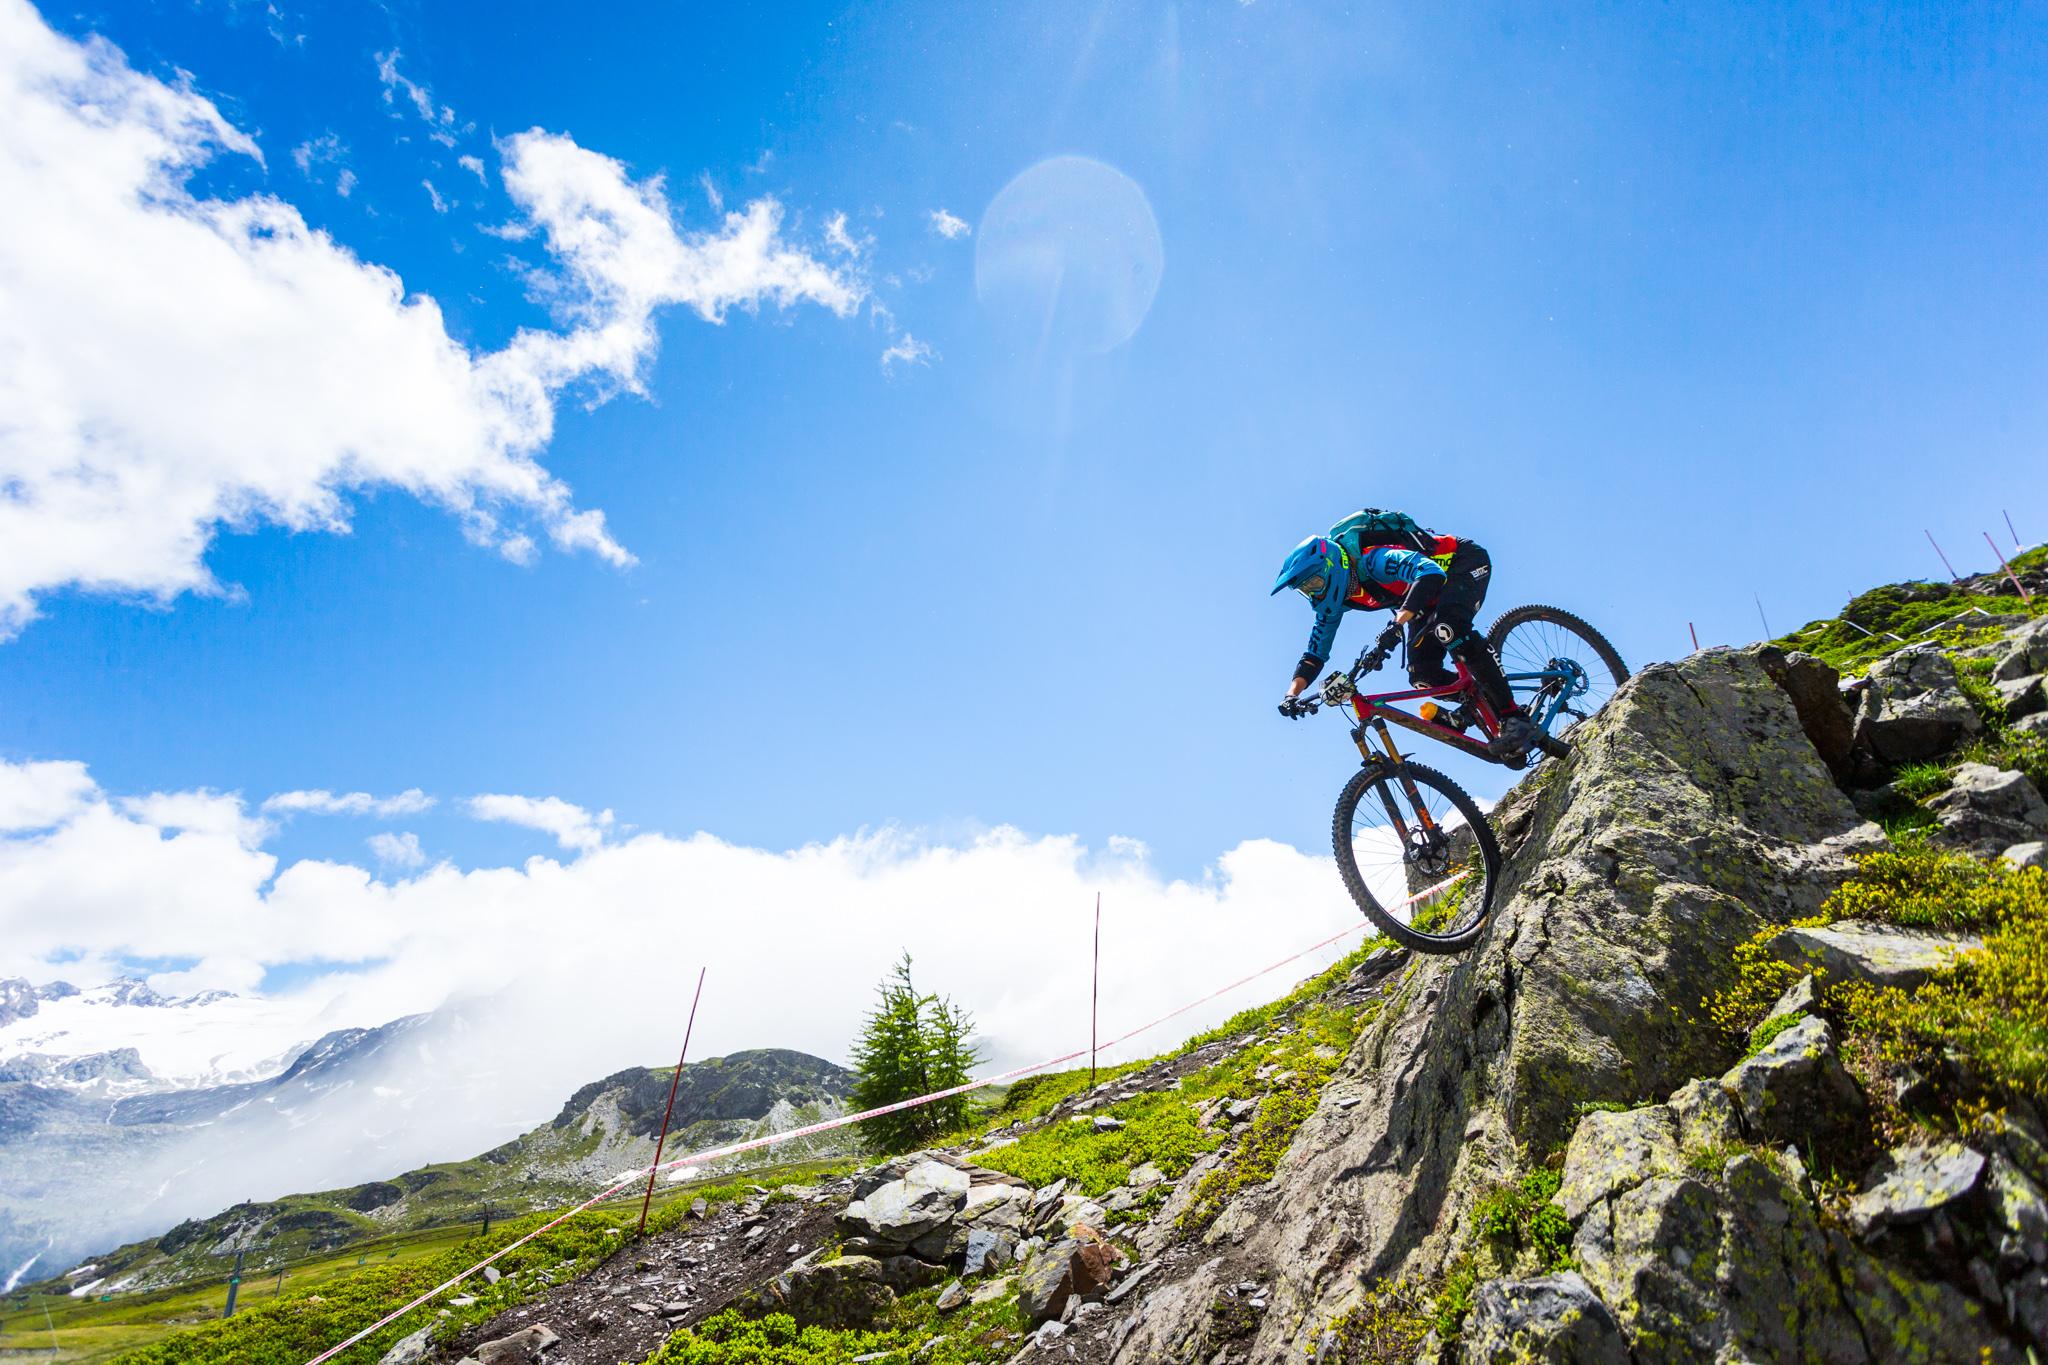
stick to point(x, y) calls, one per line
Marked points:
point(1317, 568)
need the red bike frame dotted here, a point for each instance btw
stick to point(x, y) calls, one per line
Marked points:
point(1374, 709)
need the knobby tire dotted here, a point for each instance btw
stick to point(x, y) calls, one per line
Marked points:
point(1369, 782)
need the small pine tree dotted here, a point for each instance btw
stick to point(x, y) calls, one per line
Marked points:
point(911, 1045)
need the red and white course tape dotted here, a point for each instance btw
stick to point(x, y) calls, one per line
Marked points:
point(791, 1134)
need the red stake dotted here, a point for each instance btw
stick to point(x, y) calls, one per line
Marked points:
point(673, 1082)
point(1944, 558)
point(1695, 637)
point(2025, 596)
point(2014, 534)
point(1095, 988)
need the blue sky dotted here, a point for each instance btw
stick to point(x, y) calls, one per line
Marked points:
point(1664, 306)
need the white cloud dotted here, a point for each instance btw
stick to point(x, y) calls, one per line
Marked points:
point(440, 120)
point(795, 938)
point(475, 166)
point(948, 225)
point(838, 238)
point(907, 350)
point(171, 364)
point(572, 826)
point(434, 196)
point(711, 194)
point(397, 850)
point(314, 155)
point(321, 802)
point(39, 795)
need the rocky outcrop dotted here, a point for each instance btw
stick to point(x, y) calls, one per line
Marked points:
point(1694, 811)
point(1876, 954)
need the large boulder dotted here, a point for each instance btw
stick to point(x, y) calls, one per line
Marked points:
point(1046, 1281)
point(1987, 810)
point(1552, 1320)
point(1913, 708)
point(1613, 1152)
point(899, 1212)
point(1693, 811)
point(1913, 1183)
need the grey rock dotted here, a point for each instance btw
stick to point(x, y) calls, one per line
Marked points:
point(2033, 854)
point(2026, 651)
point(521, 1348)
point(2035, 726)
point(900, 1212)
point(1706, 1115)
point(1144, 1177)
point(1851, 950)
point(1105, 1124)
point(992, 1290)
point(492, 1274)
point(1815, 689)
point(987, 1248)
point(1045, 1282)
point(849, 1292)
point(1555, 1320)
point(1612, 1152)
point(409, 1350)
point(1913, 708)
point(1914, 1181)
point(1799, 998)
point(2021, 697)
point(951, 1297)
point(2018, 1215)
point(1795, 1087)
point(1986, 810)
point(1928, 1319)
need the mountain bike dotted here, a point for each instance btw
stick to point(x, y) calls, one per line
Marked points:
point(1408, 838)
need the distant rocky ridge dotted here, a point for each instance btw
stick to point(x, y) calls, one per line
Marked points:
point(607, 1126)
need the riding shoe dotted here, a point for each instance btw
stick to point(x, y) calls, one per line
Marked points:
point(1517, 733)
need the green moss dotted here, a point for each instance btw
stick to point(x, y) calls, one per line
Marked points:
point(969, 1336)
point(1159, 1128)
point(1918, 781)
point(1763, 1034)
point(1261, 1017)
point(1386, 1328)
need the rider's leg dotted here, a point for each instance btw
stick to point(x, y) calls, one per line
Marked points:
point(1426, 657)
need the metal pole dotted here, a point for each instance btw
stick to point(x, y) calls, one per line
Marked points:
point(2014, 534)
point(1095, 988)
point(234, 1286)
point(1952, 577)
point(1695, 637)
point(2025, 596)
point(1760, 615)
point(674, 1081)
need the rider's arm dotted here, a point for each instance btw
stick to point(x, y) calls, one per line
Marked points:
point(1423, 575)
point(1322, 638)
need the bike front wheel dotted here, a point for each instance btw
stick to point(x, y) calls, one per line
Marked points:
point(1417, 855)
point(1561, 670)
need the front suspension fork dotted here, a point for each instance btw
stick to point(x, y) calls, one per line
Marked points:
point(1393, 756)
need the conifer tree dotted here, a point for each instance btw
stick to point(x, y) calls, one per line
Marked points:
point(911, 1045)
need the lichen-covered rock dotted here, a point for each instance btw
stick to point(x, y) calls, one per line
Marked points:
point(1551, 1320)
point(2034, 854)
point(1796, 1087)
point(1987, 810)
point(2021, 697)
point(1914, 708)
point(1915, 1321)
point(899, 1212)
point(1045, 1281)
point(1612, 1152)
point(1850, 950)
point(1915, 1181)
point(849, 1292)
point(2026, 651)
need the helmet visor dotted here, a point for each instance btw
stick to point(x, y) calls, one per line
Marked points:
point(1312, 586)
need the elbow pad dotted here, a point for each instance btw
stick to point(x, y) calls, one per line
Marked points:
point(1308, 668)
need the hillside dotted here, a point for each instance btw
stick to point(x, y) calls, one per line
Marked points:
point(1750, 1064)
point(606, 1126)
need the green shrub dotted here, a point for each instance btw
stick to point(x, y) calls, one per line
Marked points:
point(1988, 1011)
point(1158, 1128)
point(1386, 1328)
point(730, 1338)
point(1918, 781)
point(1765, 1033)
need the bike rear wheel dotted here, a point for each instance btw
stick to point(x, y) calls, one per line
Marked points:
point(1409, 841)
point(1533, 642)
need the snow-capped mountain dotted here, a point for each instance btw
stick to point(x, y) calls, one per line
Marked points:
point(125, 1038)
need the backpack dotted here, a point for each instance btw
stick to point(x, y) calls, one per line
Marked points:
point(1368, 527)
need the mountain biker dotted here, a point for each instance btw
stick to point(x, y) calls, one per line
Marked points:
point(1434, 584)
